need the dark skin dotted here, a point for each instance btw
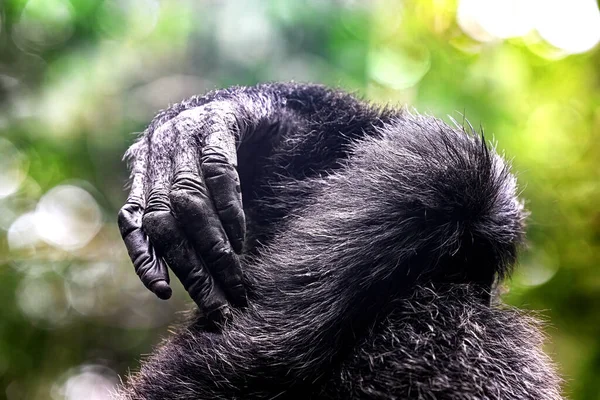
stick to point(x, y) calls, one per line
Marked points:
point(186, 210)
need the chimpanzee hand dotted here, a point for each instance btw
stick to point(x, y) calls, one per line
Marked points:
point(185, 208)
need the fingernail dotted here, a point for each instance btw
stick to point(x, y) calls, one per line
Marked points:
point(162, 289)
point(227, 314)
point(220, 315)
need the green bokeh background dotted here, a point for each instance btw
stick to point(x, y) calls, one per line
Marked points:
point(78, 77)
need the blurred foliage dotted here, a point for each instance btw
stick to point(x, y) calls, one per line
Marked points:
point(77, 77)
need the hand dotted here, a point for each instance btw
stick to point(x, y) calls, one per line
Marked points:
point(185, 208)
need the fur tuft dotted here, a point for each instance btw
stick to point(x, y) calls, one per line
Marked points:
point(451, 189)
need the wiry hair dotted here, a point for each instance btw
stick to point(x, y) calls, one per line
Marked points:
point(442, 343)
point(373, 287)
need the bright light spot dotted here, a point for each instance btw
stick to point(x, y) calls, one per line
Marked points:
point(68, 217)
point(85, 285)
point(44, 24)
point(8, 83)
point(90, 382)
point(130, 18)
point(245, 34)
point(573, 26)
point(538, 267)
point(13, 168)
point(78, 81)
point(358, 4)
point(301, 68)
point(146, 99)
point(20, 202)
point(42, 299)
point(61, 103)
point(22, 234)
point(399, 69)
point(485, 20)
point(549, 132)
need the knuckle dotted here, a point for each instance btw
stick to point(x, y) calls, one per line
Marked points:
point(220, 249)
point(211, 167)
point(149, 220)
point(190, 201)
point(157, 200)
point(124, 216)
point(212, 155)
point(232, 211)
point(157, 224)
point(185, 180)
point(216, 172)
point(182, 200)
point(129, 217)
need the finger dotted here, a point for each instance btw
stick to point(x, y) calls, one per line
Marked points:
point(164, 232)
point(223, 183)
point(149, 267)
point(195, 212)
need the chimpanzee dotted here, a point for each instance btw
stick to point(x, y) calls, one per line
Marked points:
point(363, 262)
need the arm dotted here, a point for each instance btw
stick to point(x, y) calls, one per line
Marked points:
point(185, 204)
point(185, 197)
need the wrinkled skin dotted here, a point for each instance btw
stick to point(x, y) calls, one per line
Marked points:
point(361, 263)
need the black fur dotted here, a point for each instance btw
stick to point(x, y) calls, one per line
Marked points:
point(375, 238)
